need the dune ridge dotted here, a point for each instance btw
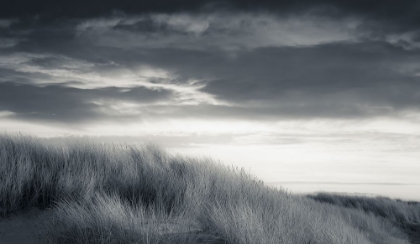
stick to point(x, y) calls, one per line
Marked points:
point(123, 194)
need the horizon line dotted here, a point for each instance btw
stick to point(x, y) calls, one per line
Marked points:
point(339, 183)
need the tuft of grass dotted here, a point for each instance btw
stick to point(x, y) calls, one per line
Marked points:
point(122, 194)
point(108, 219)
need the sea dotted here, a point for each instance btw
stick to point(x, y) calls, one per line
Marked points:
point(407, 192)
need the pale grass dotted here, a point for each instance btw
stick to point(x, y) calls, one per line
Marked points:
point(123, 194)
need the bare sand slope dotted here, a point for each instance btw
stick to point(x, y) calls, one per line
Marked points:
point(24, 228)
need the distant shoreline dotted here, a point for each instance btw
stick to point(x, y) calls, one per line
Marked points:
point(402, 191)
point(338, 183)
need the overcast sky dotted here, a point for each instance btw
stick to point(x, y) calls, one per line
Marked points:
point(314, 90)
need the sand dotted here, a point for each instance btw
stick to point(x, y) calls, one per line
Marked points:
point(24, 228)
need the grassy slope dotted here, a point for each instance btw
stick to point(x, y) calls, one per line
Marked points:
point(405, 215)
point(120, 194)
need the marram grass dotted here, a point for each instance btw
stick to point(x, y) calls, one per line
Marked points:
point(123, 194)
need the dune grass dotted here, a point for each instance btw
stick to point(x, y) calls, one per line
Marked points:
point(123, 194)
point(399, 212)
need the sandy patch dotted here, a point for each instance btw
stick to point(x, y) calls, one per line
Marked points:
point(24, 228)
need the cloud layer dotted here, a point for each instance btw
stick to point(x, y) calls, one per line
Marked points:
point(262, 60)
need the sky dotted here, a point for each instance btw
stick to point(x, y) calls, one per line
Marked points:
point(293, 91)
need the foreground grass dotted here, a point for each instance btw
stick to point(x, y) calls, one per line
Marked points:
point(121, 194)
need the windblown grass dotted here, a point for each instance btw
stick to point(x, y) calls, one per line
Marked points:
point(399, 212)
point(108, 219)
point(122, 194)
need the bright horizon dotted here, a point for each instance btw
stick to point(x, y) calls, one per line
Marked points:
point(322, 92)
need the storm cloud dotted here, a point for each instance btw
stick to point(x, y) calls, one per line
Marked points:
point(404, 11)
point(91, 61)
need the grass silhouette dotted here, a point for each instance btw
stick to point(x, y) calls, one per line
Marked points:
point(123, 194)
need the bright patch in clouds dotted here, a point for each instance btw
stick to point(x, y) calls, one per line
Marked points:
point(6, 114)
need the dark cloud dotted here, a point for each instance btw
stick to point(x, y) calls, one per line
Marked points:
point(78, 8)
point(369, 69)
point(325, 81)
point(286, 75)
point(328, 80)
point(334, 80)
point(58, 103)
point(378, 17)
